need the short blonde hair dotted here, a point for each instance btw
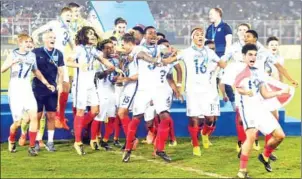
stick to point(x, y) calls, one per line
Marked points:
point(22, 37)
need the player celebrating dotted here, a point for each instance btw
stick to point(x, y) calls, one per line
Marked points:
point(142, 97)
point(249, 83)
point(105, 90)
point(84, 91)
point(63, 39)
point(120, 26)
point(234, 53)
point(201, 94)
point(21, 61)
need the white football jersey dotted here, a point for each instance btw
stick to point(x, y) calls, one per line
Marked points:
point(264, 59)
point(200, 66)
point(146, 77)
point(22, 70)
point(161, 73)
point(63, 34)
point(85, 55)
point(107, 84)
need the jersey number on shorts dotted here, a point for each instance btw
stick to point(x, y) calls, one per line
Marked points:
point(126, 100)
point(202, 68)
point(162, 74)
point(66, 38)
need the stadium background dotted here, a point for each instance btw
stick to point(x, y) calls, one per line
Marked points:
point(176, 19)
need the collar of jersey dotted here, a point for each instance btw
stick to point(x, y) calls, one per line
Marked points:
point(16, 51)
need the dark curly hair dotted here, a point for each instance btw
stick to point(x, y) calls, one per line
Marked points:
point(81, 37)
point(101, 45)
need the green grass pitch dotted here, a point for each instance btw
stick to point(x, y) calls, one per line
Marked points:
point(220, 160)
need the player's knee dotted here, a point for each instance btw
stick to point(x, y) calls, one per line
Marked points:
point(164, 115)
point(121, 113)
point(149, 123)
point(279, 135)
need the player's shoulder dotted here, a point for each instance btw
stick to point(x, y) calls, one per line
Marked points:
point(37, 50)
point(225, 24)
point(59, 51)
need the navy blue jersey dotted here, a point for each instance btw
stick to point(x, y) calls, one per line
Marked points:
point(217, 34)
point(48, 63)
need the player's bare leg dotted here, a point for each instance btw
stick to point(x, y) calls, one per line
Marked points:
point(277, 137)
point(272, 157)
point(41, 127)
point(245, 152)
point(51, 117)
point(24, 129)
point(194, 128)
point(151, 131)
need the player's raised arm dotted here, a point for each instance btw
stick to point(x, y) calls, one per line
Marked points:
point(285, 73)
point(271, 94)
point(146, 57)
point(8, 63)
point(40, 30)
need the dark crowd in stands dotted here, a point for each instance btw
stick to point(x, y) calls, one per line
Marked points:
point(175, 18)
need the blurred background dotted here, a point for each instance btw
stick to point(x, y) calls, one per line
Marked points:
point(174, 18)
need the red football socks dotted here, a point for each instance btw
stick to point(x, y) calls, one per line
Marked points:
point(240, 130)
point(194, 135)
point(116, 128)
point(32, 138)
point(163, 133)
point(171, 131)
point(78, 126)
point(63, 102)
point(243, 161)
point(95, 128)
point(109, 126)
point(87, 119)
point(125, 122)
point(132, 128)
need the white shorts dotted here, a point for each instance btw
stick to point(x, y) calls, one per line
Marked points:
point(20, 101)
point(202, 104)
point(255, 115)
point(118, 93)
point(84, 95)
point(127, 96)
point(150, 113)
point(141, 102)
point(66, 75)
point(107, 106)
point(163, 100)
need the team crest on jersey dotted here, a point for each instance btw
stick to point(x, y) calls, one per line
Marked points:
point(219, 29)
